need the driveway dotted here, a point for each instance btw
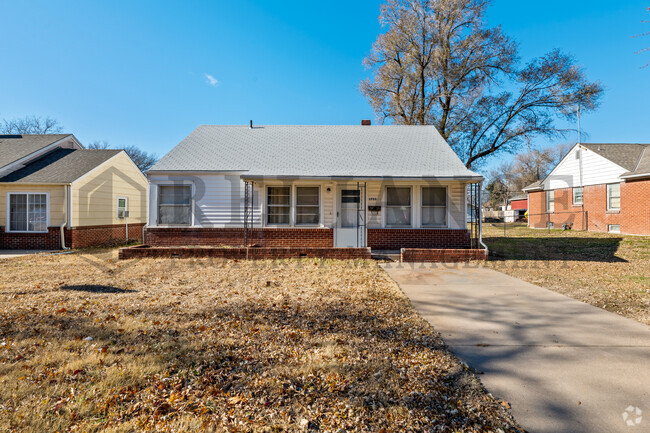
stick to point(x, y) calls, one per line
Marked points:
point(563, 365)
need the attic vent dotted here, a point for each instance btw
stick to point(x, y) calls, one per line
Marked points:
point(578, 154)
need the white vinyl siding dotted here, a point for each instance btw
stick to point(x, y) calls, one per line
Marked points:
point(614, 196)
point(27, 212)
point(596, 170)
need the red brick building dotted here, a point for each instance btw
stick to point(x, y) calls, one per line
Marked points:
point(596, 187)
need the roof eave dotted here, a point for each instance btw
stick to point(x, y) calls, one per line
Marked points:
point(340, 178)
point(635, 176)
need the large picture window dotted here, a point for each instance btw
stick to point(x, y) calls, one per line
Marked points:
point(550, 201)
point(278, 205)
point(307, 205)
point(28, 212)
point(398, 206)
point(174, 204)
point(434, 206)
point(614, 196)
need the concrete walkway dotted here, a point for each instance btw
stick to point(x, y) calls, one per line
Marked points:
point(10, 254)
point(563, 365)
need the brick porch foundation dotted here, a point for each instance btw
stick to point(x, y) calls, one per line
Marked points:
point(394, 239)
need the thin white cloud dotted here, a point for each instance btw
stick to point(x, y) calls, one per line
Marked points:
point(211, 80)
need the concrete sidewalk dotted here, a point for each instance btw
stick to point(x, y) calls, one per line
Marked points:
point(563, 365)
point(10, 254)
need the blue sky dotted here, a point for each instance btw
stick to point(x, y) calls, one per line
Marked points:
point(147, 73)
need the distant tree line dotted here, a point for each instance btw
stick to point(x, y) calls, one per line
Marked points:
point(47, 125)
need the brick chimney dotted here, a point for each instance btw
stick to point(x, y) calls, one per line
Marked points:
point(366, 122)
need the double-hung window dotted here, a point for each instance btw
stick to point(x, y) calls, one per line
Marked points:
point(174, 204)
point(434, 206)
point(550, 201)
point(28, 212)
point(278, 205)
point(577, 195)
point(614, 196)
point(398, 206)
point(307, 205)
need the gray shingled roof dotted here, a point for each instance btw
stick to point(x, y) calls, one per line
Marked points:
point(15, 147)
point(60, 166)
point(643, 167)
point(317, 151)
point(534, 185)
point(624, 154)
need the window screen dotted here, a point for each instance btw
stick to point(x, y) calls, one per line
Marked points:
point(614, 196)
point(398, 206)
point(278, 204)
point(434, 206)
point(174, 204)
point(307, 205)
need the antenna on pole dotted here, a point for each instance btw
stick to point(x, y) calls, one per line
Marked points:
point(579, 132)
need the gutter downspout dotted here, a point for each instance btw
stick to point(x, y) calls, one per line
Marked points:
point(66, 193)
point(480, 219)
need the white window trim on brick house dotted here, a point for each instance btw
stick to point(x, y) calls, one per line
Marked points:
point(608, 197)
point(8, 213)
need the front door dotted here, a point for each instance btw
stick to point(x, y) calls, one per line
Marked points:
point(350, 229)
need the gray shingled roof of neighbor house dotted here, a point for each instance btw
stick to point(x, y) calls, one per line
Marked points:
point(626, 155)
point(317, 151)
point(60, 166)
point(15, 147)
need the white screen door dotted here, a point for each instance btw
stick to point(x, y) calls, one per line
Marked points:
point(350, 221)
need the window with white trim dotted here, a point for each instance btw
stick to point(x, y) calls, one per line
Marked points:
point(398, 206)
point(434, 206)
point(307, 205)
point(550, 201)
point(28, 212)
point(614, 196)
point(577, 195)
point(278, 205)
point(174, 204)
point(122, 207)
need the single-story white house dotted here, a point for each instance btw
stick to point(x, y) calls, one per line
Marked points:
point(385, 187)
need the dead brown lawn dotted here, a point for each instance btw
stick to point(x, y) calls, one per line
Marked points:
point(610, 271)
point(200, 345)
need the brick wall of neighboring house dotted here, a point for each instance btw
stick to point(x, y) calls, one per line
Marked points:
point(242, 253)
point(78, 237)
point(267, 237)
point(90, 236)
point(633, 217)
point(442, 255)
point(635, 207)
point(31, 241)
point(394, 239)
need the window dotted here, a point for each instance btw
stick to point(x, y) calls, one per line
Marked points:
point(307, 205)
point(398, 206)
point(434, 206)
point(122, 207)
point(278, 205)
point(614, 196)
point(577, 195)
point(614, 228)
point(28, 212)
point(174, 204)
point(550, 201)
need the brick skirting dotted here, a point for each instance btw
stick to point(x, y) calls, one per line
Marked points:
point(91, 236)
point(394, 239)
point(441, 255)
point(234, 237)
point(31, 241)
point(142, 251)
point(77, 237)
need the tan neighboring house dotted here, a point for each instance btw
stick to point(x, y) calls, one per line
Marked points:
point(54, 194)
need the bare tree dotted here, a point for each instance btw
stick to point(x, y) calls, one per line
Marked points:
point(438, 64)
point(643, 50)
point(142, 159)
point(30, 125)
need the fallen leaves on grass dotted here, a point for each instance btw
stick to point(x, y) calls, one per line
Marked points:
point(197, 345)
